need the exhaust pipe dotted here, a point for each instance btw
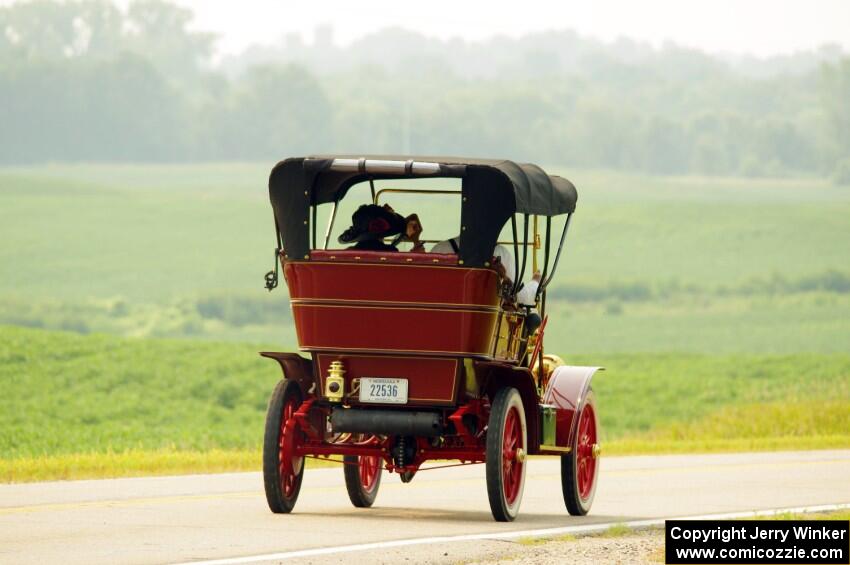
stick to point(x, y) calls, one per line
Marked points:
point(386, 422)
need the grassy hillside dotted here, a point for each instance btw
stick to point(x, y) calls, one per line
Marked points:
point(776, 324)
point(145, 239)
point(721, 308)
point(652, 264)
point(148, 232)
point(66, 394)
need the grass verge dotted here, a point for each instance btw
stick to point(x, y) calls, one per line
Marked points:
point(95, 406)
point(134, 463)
point(657, 555)
point(791, 424)
point(650, 446)
point(141, 463)
point(843, 514)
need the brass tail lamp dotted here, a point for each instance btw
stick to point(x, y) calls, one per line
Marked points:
point(335, 382)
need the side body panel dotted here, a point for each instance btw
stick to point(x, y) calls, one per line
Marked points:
point(392, 329)
point(345, 306)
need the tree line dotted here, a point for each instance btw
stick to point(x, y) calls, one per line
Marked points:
point(84, 80)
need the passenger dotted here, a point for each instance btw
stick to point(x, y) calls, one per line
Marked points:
point(370, 225)
point(503, 264)
point(412, 233)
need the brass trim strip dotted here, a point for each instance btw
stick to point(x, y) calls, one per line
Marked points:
point(405, 265)
point(372, 307)
point(412, 352)
point(356, 302)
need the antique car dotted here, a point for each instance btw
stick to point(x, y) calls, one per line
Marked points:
point(473, 383)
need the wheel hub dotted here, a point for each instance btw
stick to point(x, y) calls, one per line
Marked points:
point(596, 451)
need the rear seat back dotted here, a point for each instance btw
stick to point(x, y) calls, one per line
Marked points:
point(353, 255)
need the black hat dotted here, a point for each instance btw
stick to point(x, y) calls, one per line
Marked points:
point(371, 221)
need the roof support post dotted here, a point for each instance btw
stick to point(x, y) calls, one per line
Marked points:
point(546, 280)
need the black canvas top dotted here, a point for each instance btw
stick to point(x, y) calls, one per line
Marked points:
point(493, 190)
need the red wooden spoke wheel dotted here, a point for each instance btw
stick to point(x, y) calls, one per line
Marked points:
point(362, 478)
point(506, 453)
point(580, 468)
point(511, 466)
point(282, 470)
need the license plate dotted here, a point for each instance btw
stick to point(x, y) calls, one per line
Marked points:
point(391, 391)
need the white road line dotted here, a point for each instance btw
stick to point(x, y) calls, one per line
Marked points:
point(590, 528)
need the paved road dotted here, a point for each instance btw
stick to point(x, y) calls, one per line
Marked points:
point(204, 517)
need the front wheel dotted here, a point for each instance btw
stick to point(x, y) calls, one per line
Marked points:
point(506, 453)
point(362, 478)
point(282, 470)
point(580, 467)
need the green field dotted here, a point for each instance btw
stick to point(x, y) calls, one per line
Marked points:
point(133, 305)
point(152, 232)
point(652, 264)
point(67, 394)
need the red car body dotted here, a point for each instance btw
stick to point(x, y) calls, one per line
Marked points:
point(447, 331)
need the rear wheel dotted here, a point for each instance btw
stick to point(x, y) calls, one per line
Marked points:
point(362, 478)
point(580, 467)
point(506, 453)
point(282, 470)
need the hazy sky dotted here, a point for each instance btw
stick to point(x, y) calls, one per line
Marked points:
point(759, 27)
point(756, 27)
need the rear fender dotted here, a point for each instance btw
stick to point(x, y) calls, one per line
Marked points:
point(567, 391)
point(295, 368)
point(494, 376)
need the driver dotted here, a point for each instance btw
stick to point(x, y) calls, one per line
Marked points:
point(370, 224)
point(503, 264)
